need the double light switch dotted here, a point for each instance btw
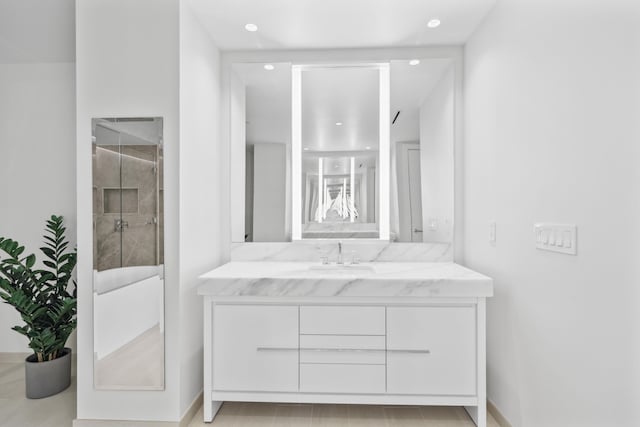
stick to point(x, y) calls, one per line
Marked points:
point(556, 237)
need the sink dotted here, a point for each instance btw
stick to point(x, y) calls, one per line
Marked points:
point(343, 268)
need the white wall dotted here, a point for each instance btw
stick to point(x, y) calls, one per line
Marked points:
point(37, 175)
point(203, 239)
point(437, 133)
point(552, 134)
point(128, 66)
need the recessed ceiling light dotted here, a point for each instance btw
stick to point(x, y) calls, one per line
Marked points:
point(414, 62)
point(367, 147)
point(306, 148)
point(433, 23)
point(269, 67)
point(251, 28)
point(338, 123)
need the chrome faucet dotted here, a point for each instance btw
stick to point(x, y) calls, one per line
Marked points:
point(339, 253)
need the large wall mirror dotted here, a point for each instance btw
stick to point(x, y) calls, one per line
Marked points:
point(128, 253)
point(350, 150)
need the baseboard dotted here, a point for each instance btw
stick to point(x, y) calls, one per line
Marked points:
point(13, 357)
point(192, 410)
point(497, 415)
point(121, 423)
point(184, 422)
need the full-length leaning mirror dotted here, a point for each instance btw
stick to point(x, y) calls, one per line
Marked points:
point(128, 253)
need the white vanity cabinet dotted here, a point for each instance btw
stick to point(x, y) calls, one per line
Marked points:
point(379, 353)
point(410, 334)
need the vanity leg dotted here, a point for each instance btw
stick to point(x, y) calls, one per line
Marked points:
point(479, 413)
point(210, 410)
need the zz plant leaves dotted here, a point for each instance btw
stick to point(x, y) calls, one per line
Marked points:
point(43, 297)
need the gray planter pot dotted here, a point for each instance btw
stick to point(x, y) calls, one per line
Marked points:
point(45, 379)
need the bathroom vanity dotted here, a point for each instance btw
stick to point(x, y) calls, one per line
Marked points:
point(407, 333)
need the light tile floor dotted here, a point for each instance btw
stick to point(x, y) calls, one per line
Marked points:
point(234, 414)
point(18, 411)
point(60, 410)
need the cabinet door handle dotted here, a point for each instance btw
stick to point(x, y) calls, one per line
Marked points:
point(276, 349)
point(342, 350)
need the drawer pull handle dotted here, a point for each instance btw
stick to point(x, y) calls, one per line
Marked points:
point(318, 349)
point(411, 351)
point(343, 349)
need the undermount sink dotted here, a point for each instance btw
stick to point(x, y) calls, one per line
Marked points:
point(343, 268)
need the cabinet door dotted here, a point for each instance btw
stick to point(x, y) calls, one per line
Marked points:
point(431, 350)
point(255, 348)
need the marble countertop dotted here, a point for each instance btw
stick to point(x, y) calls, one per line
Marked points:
point(378, 279)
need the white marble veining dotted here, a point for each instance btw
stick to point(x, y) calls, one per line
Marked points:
point(310, 279)
point(366, 251)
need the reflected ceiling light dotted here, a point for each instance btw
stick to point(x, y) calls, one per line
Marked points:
point(306, 148)
point(433, 23)
point(251, 28)
point(338, 123)
point(367, 147)
point(269, 67)
point(414, 62)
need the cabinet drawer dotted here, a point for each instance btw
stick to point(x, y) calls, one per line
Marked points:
point(342, 320)
point(431, 350)
point(364, 349)
point(255, 348)
point(334, 378)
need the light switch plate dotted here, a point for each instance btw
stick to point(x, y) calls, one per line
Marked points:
point(556, 237)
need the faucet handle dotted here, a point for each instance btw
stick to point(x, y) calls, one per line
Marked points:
point(325, 260)
point(355, 258)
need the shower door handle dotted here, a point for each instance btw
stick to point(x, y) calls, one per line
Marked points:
point(119, 225)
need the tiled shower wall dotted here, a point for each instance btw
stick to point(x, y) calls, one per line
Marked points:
point(127, 186)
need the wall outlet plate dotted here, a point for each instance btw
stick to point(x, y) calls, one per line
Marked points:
point(556, 237)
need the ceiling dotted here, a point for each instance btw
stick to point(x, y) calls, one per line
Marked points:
point(37, 31)
point(312, 24)
point(282, 24)
point(345, 95)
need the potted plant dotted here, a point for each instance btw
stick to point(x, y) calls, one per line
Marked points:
point(46, 305)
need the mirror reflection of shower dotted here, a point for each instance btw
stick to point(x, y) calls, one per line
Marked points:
point(128, 253)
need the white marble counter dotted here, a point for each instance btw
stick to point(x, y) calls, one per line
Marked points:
point(379, 279)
